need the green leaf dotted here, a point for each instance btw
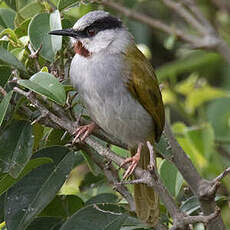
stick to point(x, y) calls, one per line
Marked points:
point(7, 18)
point(24, 201)
point(30, 10)
point(163, 146)
point(47, 85)
point(171, 177)
point(190, 205)
point(63, 206)
point(55, 24)
point(4, 105)
point(16, 145)
point(11, 3)
point(22, 29)
point(39, 28)
point(202, 139)
point(10, 59)
point(6, 181)
point(45, 223)
point(107, 217)
point(62, 4)
point(188, 146)
point(102, 199)
point(218, 114)
point(202, 95)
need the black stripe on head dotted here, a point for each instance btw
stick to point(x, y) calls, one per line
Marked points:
point(101, 24)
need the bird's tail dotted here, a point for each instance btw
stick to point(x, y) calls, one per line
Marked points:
point(146, 200)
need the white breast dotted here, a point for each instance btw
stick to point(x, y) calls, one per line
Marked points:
point(100, 82)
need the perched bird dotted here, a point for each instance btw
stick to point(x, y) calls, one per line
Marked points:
point(119, 88)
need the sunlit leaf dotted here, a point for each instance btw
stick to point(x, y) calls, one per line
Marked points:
point(47, 85)
point(188, 146)
point(202, 95)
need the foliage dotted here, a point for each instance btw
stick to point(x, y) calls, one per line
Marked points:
point(46, 185)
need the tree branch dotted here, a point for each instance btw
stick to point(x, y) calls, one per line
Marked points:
point(151, 177)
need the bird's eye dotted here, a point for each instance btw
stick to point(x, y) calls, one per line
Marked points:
point(91, 32)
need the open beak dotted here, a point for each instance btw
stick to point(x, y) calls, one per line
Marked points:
point(64, 32)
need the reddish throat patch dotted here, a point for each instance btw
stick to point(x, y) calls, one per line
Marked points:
point(81, 50)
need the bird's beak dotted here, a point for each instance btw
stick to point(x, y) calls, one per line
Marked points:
point(65, 32)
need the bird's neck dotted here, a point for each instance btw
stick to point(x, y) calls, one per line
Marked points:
point(81, 50)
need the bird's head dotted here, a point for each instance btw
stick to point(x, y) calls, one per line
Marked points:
point(93, 32)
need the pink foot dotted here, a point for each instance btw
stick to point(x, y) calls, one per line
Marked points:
point(82, 132)
point(134, 161)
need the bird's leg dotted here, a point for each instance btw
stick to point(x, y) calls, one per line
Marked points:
point(134, 161)
point(83, 131)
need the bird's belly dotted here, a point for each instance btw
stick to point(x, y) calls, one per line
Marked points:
point(121, 116)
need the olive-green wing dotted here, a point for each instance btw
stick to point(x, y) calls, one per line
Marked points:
point(143, 85)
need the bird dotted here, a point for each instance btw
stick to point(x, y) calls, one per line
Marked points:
point(119, 88)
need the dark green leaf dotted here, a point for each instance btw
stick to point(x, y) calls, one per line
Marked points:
point(63, 206)
point(47, 85)
point(5, 72)
point(10, 59)
point(2, 208)
point(91, 164)
point(16, 145)
point(171, 177)
point(7, 18)
point(103, 199)
point(45, 223)
point(55, 137)
point(39, 28)
point(107, 217)
point(26, 198)
point(6, 181)
point(4, 105)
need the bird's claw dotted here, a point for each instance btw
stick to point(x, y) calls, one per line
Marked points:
point(82, 132)
point(134, 161)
